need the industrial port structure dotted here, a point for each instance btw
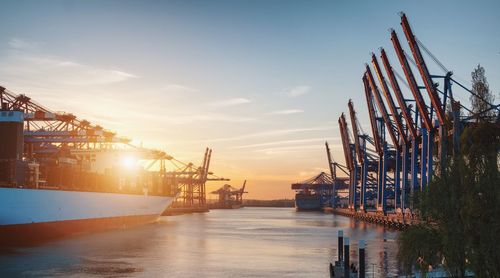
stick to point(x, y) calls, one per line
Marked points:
point(424, 132)
point(43, 149)
point(229, 197)
point(316, 192)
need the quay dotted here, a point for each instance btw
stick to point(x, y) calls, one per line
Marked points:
point(394, 220)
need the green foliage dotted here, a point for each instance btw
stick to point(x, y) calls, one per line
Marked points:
point(460, 210)
point(483, 206)
point(482, 95)
point(419, 246)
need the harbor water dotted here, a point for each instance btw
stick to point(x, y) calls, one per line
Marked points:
point(247, 242)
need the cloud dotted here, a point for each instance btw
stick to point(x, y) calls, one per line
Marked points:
point(25, 66)
point(230, 102)
point(177, 88)
point(271, 133)
point(300, 148)
point(286, 112)
point(43, 70)
point(297, 91)
point(313, 172)
point(16, 43)
point(285, 142)
point(209, 117)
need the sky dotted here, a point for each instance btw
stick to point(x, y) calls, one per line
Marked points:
point(262, 83)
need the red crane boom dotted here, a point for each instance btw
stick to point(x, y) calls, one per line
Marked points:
point(424, 72)
point(355, 130)
point(373, 120)
point(390, 101)
point(410, 125)
point(424, 114)
point(381, 107)
point(346, 142)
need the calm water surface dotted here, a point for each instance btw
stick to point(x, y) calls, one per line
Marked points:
point(248, 242)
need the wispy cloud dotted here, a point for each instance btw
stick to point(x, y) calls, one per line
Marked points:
point(62, 71)
point(285, 112)
point(271, 133)
point(297, 91)
point(300, 148)
point(177, 88)
point(285, 142)
point(230, 102)
point(27, 67)
point(313, 172)
point(16, 43)
point(208, 117)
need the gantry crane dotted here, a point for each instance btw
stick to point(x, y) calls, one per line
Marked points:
point(414, 137)
point(392, 152)
point(422, 112)
point(335, 179)
point(400, 131)
point(65, 148)
point(366, 159)
point(350, 159)
point(380, 143)
point(410, 135)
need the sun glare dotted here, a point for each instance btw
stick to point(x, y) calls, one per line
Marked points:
point(128, 162)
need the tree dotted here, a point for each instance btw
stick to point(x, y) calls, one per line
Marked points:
point(460, 209)
point(482, 96)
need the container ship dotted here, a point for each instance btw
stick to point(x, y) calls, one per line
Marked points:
point(60, 175)
point(317, 192)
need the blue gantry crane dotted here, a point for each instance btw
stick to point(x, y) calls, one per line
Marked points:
point(390, 174)
point(368, 163)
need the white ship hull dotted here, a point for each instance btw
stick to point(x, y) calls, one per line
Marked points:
point(28, 215)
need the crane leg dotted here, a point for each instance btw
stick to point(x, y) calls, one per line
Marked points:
point(423, 159)
point(397, 180)
point(404, 185)
point(430, 160)
point(414, 167)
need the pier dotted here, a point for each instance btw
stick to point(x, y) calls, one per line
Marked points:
point(392, 220)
